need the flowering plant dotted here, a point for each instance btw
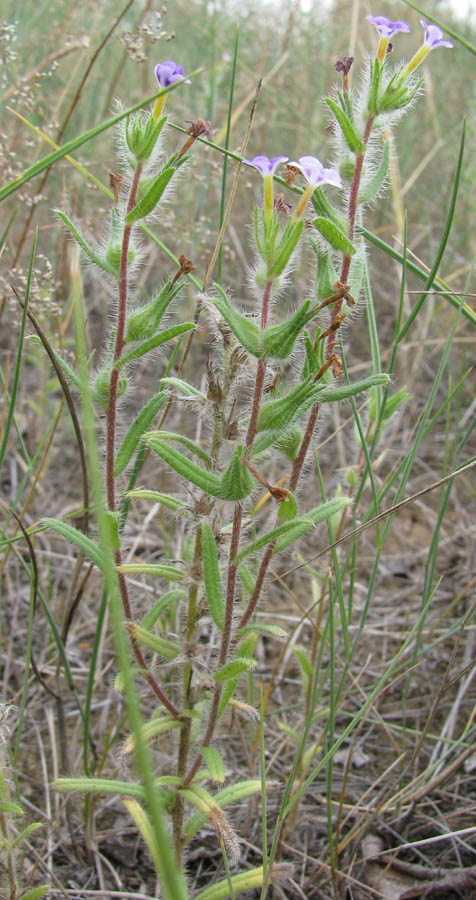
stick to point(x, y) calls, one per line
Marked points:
point(274, 371)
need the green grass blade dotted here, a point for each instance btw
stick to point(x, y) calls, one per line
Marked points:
point(72, 145)
point(225, 158)
point(443, 242)
point(172, 880)
point(438, 285)
point(21, 338)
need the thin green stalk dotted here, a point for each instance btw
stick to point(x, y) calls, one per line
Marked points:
point(363, 444)
point(443, 241)
point(373, 333)
point(335, 568)
point(171, 878)
point(225, 157)
point(330, 728)
point(21, 338)
point(68, 148)
point(184, 743)
point(264, 812)
point(90, 685)
point(28, 653)
point(438, 285)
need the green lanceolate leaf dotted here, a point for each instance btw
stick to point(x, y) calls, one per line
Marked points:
point(156, 497)
point(313, 518)
point(304, 661)
point(13, 809)
point(99, 786)
point(326, 275)
point(286, 534)
point(189, 470)
point(214, 763)
point(36, 893)
point(375, 79)
point(151, 198)
point(159, 645)
point(90, 252)
point(187, 442)
point(374, 184)
point(137, 429)
point(246, 332)
point(200, 798)
point(211, 571)
point(223, 799)
point(171, 573)
point(342, 392)
point(149, 138)
point(324, 208)
point(334, 236)
point(68, 371)
point(144, 322)
point(114, 244)
point(354, 142)
point(183, 388)
point(245, 651)
point(145, 828)
point(80, 540)
point(283, 252)
point(287, 509)
point(160, 605)
point(270, 536)
point(245, 881)
point(152, 343)
point(247, 578)
point(235, 667)
point(288, 443)
point(25, 832)
point(278, 340)
point(315, 358)
point(237, 482)
point(262, 628)
point(278, 414)
point(156, 725)
point(356, 273)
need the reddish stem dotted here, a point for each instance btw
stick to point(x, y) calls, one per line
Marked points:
point(299, 461)
point(111, 436)
point(118, 347)
point(253, 601)
point(235, 543)
point(352, 215)
point(311, 424)
point(260, 372)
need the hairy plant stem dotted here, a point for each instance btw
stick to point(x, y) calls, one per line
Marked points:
point(235, 542)
point(331, 341)
point(351, 218)
point(111, 414)
point(260, 372)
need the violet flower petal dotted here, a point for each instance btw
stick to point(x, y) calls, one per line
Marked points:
point(434, 36)
point(315, 173)
point(386, 27)
point(265, 165)
point(168, 73)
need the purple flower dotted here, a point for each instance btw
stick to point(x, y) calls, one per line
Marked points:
point(434, 36)
point(315, 173)
point(265, 165)
point(385, 27)
point(168, 73)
